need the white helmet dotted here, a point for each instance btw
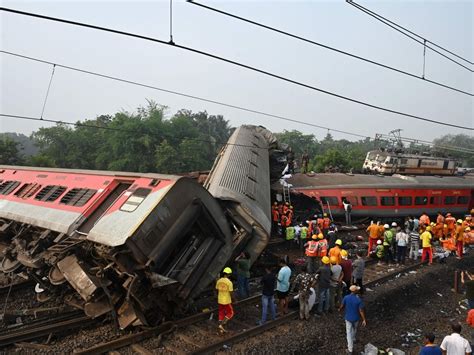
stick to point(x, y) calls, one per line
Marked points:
point(386, 226)
point(394, 224)
point(379, 242)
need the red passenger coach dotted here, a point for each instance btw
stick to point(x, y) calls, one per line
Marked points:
point(139, 245)
point(388, 196)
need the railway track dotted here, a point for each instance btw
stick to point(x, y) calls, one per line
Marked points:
point(198, 333)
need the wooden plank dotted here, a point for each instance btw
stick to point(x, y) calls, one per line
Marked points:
point(138, 349)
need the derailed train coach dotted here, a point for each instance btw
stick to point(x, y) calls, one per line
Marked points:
point(137, 245)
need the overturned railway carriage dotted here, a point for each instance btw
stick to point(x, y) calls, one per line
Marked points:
point(134, 244)
point(137, 245)
point(387, 196)
point(240, 180)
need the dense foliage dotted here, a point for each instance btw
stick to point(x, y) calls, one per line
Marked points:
point(148, 141)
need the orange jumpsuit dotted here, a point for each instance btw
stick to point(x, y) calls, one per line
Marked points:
point(373, 230)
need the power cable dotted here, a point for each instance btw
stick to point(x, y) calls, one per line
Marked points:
point(244, 109)
point(261, 71)
point(87, 125)
point(259, 24)
point(413, 33)
point(374, 15)
point(283, 118)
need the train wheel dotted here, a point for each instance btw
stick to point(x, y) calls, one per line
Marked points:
point(8, 265)
point(55, 276)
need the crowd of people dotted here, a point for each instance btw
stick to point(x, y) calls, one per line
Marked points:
point(393, 243)
point(331, 281)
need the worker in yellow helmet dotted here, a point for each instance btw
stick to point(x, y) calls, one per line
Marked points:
point(459, 236)
point(336, 251)
point(225, 290)
point(324, 275)
point(426, 245)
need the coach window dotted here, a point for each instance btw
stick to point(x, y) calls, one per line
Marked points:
point(435, 200)
point(404, 201)
point(135, 200)
point(331, 200)
point(387, 201)
point(369, 201)
point(421, 200)
point(450, 200)
point(463, 200)
point(7, 187)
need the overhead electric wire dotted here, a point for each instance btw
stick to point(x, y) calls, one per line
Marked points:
point(377, 17)
point(259, 24)
point(194, 98)
point(413, 33)
point(267, 73)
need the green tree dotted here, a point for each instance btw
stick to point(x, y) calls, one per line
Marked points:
point(9, 152)
point(458, 140)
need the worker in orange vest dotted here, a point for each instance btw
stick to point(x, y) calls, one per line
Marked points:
point(381, 230)
point(284, 223)
point(320, 222)
point(451, 223)
point(322, 246)
point(459, 235)
point(275, 217)
point(424, 219)
point(336, 251)
point(326, 224)
point(311, 253)
point(438, 228)
point(290, 214)
point(373, 231)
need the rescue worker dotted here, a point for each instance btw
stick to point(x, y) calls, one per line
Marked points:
point(322, 249)
point(275, 217)
point(381, 229)
point(459, 236)
point(451, 223)
point(303, 236)
point(424, 219)
point(326, 224)
point(290, 214)
point(284, 224)
point(426, 245)
point(311, 253)
point(438, 230)
point(225, 290)
point(379, 251)
point(289, 236)
point(320, 223)
point(332, 236)
point(336, 251)
point(388, 238)
point(373, 231)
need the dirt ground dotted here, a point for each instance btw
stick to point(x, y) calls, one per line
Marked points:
point(399, 312)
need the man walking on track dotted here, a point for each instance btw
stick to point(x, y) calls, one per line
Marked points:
point(354, 312)
point(224, 289)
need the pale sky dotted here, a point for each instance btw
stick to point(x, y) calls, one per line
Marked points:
point(75, 96)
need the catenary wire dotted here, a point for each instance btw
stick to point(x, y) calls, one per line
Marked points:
point(88, 125)
point(361, 8)
point(47, 91)
point(216, 102)
point(226, 60)
point(413, 33)
point(259, 24)
point(220, 103)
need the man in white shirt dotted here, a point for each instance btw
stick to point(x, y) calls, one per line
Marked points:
point(455, 344)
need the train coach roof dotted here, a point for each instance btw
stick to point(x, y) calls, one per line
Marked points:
point(91, 172)
point(340, 180)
